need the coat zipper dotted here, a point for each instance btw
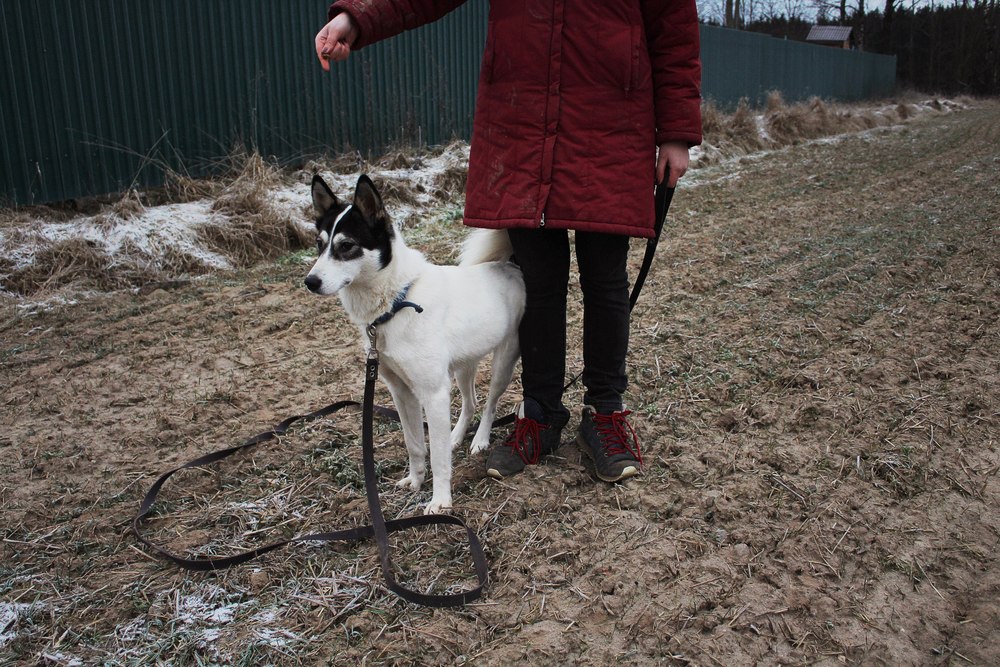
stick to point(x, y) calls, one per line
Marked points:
point(541, 223)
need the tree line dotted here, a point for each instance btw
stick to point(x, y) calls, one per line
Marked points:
point(951, 49)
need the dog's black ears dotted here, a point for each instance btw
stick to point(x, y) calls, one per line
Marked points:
point(368, 201)
point(323, 197)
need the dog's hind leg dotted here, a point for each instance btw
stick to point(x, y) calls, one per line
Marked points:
point(437, 406)
point(408, 408)
point(465, 375)
point(504, 359)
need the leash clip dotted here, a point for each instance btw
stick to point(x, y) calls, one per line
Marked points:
point(372, 341)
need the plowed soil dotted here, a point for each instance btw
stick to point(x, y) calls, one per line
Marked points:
point(815, 383)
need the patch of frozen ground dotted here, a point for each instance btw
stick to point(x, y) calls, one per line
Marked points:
point(725, 167)
point(160, 232)
point(205, 615)
point(11, 615)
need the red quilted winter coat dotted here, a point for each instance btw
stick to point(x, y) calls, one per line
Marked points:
point(574, 96)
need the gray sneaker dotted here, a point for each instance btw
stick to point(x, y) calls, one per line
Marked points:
point(611, 443)
point(531, 439)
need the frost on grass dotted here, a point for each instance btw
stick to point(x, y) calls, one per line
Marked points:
point(207, 620)
point(748, 133)
point(260, 213)
point(14, 617)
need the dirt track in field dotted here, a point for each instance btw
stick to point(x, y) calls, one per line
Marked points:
point(815, 380)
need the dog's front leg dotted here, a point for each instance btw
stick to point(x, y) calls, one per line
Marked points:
point(408, 408)
point(437, 407)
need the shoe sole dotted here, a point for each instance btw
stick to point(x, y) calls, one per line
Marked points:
point(496, 474)
point(628, 471)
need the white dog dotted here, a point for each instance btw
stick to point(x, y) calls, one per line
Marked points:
point(465, 312)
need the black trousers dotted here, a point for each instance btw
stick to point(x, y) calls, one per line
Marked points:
point(543, 256)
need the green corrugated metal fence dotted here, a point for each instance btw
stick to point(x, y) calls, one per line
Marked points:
point(103, 95)
point(739, 64)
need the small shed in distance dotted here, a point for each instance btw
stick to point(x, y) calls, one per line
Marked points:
point(841, 37)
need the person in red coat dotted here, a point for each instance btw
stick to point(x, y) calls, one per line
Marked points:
point(581, 107)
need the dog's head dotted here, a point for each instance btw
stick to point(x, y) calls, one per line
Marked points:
point(354, 240)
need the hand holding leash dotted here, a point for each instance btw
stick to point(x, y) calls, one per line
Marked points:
point(672, 156)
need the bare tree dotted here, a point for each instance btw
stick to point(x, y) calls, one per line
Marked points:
point(734, 13)
point(794, 9)
point(712, 11)
point(843, 10)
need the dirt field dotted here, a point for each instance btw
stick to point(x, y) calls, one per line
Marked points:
point(815, 381)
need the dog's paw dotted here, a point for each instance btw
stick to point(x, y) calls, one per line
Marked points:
point(410, 483)
point(436, 506)
point(456, 440)
point(479, 445)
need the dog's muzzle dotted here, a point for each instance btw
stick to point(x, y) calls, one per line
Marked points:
point(314, 283)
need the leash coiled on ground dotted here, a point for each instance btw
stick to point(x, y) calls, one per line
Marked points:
point(379, 527)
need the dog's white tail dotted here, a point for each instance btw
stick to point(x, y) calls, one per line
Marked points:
point(486, 245)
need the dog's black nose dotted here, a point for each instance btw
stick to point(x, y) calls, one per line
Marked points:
point(313, 283)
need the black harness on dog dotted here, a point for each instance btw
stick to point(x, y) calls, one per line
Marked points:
point(398, 304)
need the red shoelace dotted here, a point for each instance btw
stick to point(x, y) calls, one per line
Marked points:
point(526, 440)
point(616, 434)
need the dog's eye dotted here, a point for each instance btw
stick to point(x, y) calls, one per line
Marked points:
point(319, 244)
point(346, 246)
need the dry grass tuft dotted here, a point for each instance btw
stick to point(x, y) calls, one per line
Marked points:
point(248, 229)
point(136, 266)
point(713, 121)
point(71, 261)
point(243, 174)
point(732, 134)
point(15, 221)
point(129, 206)
point(808, 120)
point(398, 158)
point(450, 183)
point(180, 188)
point(19, 219)
point(253, 237)
point(247, 193)
point(742, 130)
point(83, 263)
point(253, 230)
point(775, 102)
point(395, 193)
point(349, 162)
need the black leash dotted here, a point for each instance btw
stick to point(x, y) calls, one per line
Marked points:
point(379, 527)
point(663, 196)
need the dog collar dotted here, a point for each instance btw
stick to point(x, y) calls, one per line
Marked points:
point(398, 304)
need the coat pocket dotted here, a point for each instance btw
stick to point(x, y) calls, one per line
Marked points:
point(489, 53)
point(635, 44)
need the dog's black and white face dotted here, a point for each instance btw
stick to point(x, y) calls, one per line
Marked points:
point(354, 240)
